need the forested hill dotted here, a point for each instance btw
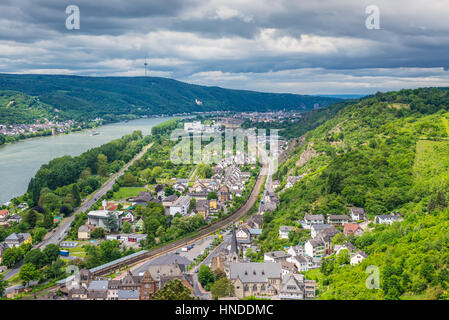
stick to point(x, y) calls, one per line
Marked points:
point(82, 98)
point(385, 153)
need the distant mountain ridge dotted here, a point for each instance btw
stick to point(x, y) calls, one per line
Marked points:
point(84, 98)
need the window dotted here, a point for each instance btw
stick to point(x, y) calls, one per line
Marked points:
point(255, 287)
point(246, 288)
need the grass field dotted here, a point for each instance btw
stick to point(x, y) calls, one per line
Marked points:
point(77, 252)
point(431, 166)
point(127, 192)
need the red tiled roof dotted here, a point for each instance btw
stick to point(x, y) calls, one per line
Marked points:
point(112, 207)
point(350, 228)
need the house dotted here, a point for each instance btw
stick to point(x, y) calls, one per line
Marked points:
point(315, 248)
point(142, 199)
point(138, 225)
point(297, 250)
point(312, 219)
point(198, 195)
point(224, 194)
point(255, 278)
point(257, 221)
point(213, 205)
point(326, 235)
point(300, 261)
point(357, 214)
point(160, 192)
point(168, 201)
point(287, 268)
point(97, 218)
point(338, 219)
point(276, 256)
point(202, 207)
point(128, 294)
point(243, 236)
point(316, 228)
point(128, 217)
point(358, 257)
point(84, 233)
point(352, 228)
point(179, 187)
point(309, 289)
point(276, 184)
point(387, 219)
point(4, 215)
point(293, 287)
point(79, 293)
point(284, 231)
point(181, 205)
point(16, 218)
point(347, 246)
point(255, 233)
point(148, 287)
point(97, 290)
point(17, 239)
point(291, 180)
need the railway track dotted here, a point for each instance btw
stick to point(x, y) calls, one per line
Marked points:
point(203, 232)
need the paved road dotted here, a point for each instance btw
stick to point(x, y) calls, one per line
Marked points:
point(60, 232)
point(198, 290)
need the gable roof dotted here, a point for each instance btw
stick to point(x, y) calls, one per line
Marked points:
point(250, 272)
point(351, 228)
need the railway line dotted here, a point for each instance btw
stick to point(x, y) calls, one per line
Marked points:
point(203, 232)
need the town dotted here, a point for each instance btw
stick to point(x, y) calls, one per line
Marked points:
point(225, 264)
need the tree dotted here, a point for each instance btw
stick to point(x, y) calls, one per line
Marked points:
point(343, 257)
point(31, 218)
point(173, 290)
point(39, 234)
point(50, 202)
point(3, 285)
point(51, 253)
point(11, 256)
point(28, 273)
point(35, 257)
point(129, 180)
point(222, 288)
point(98, 233)
point(205, 276)
point(126, 227)
point(111, 222)
point(102, 165)
point(86, 173)
point(76, 195)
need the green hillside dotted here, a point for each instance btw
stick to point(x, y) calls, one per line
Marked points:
point(17, 107)
point(84, 98)
point(388, 152)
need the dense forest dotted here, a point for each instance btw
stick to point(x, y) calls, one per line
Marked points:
point(385, 153)
point(86, 98)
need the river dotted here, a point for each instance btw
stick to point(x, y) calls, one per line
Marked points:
point(20, 161)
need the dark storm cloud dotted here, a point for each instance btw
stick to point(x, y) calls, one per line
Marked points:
point(220, 41)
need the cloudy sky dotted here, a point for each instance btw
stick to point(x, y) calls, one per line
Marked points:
point(297, 46)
